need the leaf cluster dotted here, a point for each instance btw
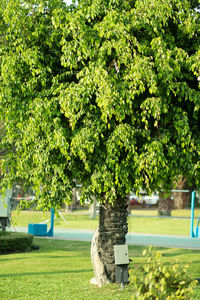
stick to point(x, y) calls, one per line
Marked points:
point(105, 94)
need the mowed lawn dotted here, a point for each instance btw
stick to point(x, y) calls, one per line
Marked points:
point(63, 269)
point(140, 221)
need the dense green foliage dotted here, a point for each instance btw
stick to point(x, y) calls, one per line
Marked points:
point(156, 280)
point(15, 242)
point(106, 93)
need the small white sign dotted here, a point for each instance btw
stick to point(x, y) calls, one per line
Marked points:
point(121, 254)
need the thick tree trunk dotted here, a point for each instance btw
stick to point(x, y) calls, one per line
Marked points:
point(165, 204)
point(112, 230)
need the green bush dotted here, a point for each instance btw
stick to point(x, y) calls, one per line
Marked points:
point(15, 242)
point(154, 280)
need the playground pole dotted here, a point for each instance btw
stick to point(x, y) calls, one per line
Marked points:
point(50, 232)
point(192, 215)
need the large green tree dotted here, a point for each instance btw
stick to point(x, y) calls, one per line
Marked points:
point(105, 93)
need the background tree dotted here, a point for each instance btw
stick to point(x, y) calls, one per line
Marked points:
point(165, 203)
point(106, 93)
point(182, 198)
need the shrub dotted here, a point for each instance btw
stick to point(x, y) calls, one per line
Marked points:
point(154, 280)
point(15, 242)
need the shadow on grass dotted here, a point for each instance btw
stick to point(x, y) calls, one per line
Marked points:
point(51, 249)
point(49, 245)
point(179, 252)
point(136, 251)
point(7, 258)
point(44, 273)
point(10, 259)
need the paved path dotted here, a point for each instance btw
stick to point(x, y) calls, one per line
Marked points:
point(131, 238)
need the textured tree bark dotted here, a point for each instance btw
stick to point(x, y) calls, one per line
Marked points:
point(165, 204)
point(112, 230)
point(98, 266)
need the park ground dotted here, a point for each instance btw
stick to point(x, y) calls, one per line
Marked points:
point(62, 269)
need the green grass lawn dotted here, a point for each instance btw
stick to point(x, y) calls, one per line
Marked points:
point(159, 226)
point(73, 220)
point(146, 224)
point(62, 270)
point(174, 213)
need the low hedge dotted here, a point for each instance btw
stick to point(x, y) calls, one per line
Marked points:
point(15, 242)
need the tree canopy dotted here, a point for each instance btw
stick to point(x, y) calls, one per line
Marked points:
point(105, 93)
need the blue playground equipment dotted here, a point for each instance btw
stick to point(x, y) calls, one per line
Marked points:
point(194, 231)
point(41, 229)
